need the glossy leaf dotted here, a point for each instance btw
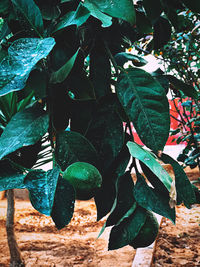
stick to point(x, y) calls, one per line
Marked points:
point(122, 9)
point(124, 233)
point(77, 17)
point(23, 55)
point(25, 128)
point(185, 192)
point(72, 147)
point(63, 206)
point(187, 89)
point(96, 13)
point(29, 12)
point(148, 159)
point(61, 74)
point(10, 176)
point(122, 57)
point(146, 105)
point(42, 187)
point(152, 199)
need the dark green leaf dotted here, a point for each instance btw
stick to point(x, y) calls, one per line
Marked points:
point(146, 105)
point(77, 17)
point(61, 74)
point(10, 176)
point(100, 71)
point(42, 188)
point(122, 9)
point(63, 206)
point(50, 12)
point(23, 55)
point(152, 199)
point(72, 147)
point(193, 5)
point(124, 233)
point(105, 197)
point(153, 9)
point(185, 192)
point(122, 57)
point(147, 158)
point(25, 128)
point(96, 13)
point(125, 199)
point(29, 12)
point(187, 89)
point(143, 23)
point(106, 133)
point(162, 32)
point(4, 7)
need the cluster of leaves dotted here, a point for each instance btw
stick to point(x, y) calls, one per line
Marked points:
point(63, 63)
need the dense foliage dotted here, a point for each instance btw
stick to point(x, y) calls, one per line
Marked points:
point(63, 77)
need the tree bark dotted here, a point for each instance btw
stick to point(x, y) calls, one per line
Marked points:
point(15, 255)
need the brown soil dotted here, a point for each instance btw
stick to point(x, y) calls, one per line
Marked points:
point(179, 245)
point(75, 245)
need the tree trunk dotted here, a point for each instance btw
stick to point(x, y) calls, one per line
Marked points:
point(15, 255)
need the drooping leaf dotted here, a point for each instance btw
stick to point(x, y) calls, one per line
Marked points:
point(187, 89)
point(125, 199)
point(23, 55)
point(152, 199)
point(63, 206)
point(100, 70)
point(122, 57)
point(96, 13)
point(30, 12)
point(25, 128)
point(61, 74)
point(106, 195)
point(72, 147)
point(185, 192)
point(106, 133)
point(193, 5)
point(77, 17)
point(153, 9)
point(10, 176)
point(162, 32)
point(124, 233)
point(146, 157)
point(122, 9)
point(146, 105)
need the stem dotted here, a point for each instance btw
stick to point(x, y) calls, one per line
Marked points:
point(16, 259)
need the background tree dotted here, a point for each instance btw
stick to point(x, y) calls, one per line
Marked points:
point(63, 62)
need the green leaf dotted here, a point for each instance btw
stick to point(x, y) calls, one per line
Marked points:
point(96, 13)
point(106, 133)
point(153, 9)
point(23, 55)
point(162, 32)
point(187, 89)
point(10, 176)
point(100, 70)
point(61, 74)
point(25, 128)
point(106, 195)
point(4, 7)
point(77, 18)
point(72, 147)
point(121, 9)
point(122, 57)
point(143, 23)
point(124, 233)
point(63, 206)
point(185, 192)
point(146, 157)
point(42, 187)
point(146, 105)
point(125, 199)
point(152, 199)
point(29, 12)
point(193, 5)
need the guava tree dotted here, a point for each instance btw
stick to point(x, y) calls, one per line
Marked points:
point(63, 78)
